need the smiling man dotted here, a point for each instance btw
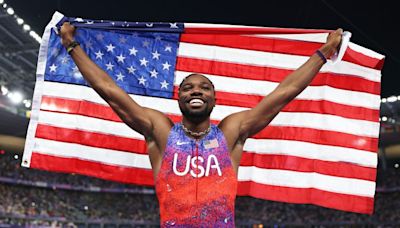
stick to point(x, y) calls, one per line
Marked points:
point(194, 162)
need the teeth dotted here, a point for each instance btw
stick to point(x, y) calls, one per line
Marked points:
point(196, 101)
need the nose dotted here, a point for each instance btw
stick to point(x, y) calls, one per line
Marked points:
point(196, 92)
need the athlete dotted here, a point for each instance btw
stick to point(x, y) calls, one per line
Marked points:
point(195, 163)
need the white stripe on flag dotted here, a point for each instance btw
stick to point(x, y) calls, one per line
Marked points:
point(311, 151)
point(72, 121)
point(312, 37)
point(307, 180)
point(106, 156)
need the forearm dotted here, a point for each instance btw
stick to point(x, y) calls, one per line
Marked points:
point(299, 79)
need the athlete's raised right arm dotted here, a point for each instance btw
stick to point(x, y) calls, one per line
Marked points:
point(139, 118)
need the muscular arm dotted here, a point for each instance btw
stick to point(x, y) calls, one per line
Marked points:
point(239, 126)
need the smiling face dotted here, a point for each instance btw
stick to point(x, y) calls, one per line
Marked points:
point(196, 97)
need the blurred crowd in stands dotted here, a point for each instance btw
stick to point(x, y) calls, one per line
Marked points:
point(44, 206)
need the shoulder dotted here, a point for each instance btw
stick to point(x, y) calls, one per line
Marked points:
point(161, 124)
point(231, 127)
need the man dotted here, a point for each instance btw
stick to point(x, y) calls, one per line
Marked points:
point(195, 163)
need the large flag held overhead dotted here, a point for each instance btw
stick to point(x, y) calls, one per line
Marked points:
point(321, 149)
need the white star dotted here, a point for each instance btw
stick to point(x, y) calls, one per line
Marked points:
point(120, 77)
point(100, 36)
point(89, 22)
point(121, 58)
point(149, 25)
point(53, 68)
point(168, 48)
point(133, 51)
point(143, 62)
point(142, 80)
point(64, 59)
point(153, 73)
point(166, 66)
point(164, 84)
point(109, 66)
point(78, 19)
point(131, 69)
point(122, 40)
point(99, 55)
point(156, 55)
point(112, 23)
point(110, 48)
point(173, 25)
point(146, 43)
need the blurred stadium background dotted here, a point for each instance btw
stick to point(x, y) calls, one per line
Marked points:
point(37, 198)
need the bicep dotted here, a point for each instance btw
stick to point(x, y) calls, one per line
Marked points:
point(131, 113)
point(257, 118)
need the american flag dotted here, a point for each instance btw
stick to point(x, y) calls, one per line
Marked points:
point(321, 149)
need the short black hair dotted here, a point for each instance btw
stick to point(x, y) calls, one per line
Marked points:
point(193, 75)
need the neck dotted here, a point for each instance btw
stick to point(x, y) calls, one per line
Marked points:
point(195, 126)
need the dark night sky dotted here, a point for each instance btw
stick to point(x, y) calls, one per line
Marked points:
point(374, 24)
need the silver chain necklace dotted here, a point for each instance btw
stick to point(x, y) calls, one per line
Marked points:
point(195, 134)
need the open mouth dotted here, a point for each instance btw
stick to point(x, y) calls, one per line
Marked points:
point(196, 102)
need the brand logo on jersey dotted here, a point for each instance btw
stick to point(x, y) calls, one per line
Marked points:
point(194, 165)
point(179, 143)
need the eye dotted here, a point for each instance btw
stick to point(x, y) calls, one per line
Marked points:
point(206, 87)
point(186, 88)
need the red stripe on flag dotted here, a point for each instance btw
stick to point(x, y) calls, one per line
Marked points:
point(93, 139)
point(317, 136)
point(235, 70)
point(274, 45)
point(286, 162)
point(364, 60)
point(339, 201)
point(95, 169)
point(86, 108)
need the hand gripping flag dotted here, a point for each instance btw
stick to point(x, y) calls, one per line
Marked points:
point(321, 149)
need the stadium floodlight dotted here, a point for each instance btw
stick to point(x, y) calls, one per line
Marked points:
point(4, 90)
point(27, 103)
point(20, 21)
point(10, 11)
point(4, 5)
point(15, 97)
point(384, 118)
point(396, 165)
point(26, 27)
point(1, 1)
point(384, 100)
point(392, 99)
point(35, 36)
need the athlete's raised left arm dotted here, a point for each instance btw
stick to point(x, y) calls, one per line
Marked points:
point(242, 125)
